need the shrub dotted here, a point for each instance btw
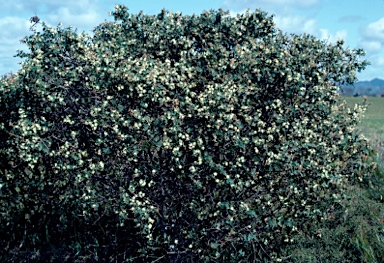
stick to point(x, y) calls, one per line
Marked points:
point(176, 138)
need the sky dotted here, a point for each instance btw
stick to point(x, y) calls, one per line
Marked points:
point(360, 23)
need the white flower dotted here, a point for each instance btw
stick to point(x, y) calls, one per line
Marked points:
point(142, 182)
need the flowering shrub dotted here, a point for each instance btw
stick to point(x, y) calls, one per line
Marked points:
point(176, 137)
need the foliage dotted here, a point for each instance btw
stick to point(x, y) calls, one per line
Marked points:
point(176, 138)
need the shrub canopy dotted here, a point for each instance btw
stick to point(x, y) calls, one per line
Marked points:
point(204, 137)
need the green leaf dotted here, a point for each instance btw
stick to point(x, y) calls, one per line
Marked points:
point(272, 222)
point(120, 107)
point(159, 143)
point(106, 150)
point(288, 223)
point(240, 143)
point(214, 245)
point(251, 213)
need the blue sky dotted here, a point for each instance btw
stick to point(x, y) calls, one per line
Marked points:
point(359, 22)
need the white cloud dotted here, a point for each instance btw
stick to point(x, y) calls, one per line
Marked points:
point(14, 5)
point(40, 5)
point(375, 70)
point(64, 15)
point(11, 26)
point(77, 13)
point(372, 41)
point(325, 34)
point(297, 3)
point(242, 4)
point(376, 59)
point(12, 29)
point(295, 24)
point(371, 46)
point(374, 30)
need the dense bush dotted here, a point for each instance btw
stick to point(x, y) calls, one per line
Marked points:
point(175, 138)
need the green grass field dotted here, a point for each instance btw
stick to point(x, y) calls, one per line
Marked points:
point(372, 124)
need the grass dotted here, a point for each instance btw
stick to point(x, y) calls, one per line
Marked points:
point(369, 236)
point(372, 124)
